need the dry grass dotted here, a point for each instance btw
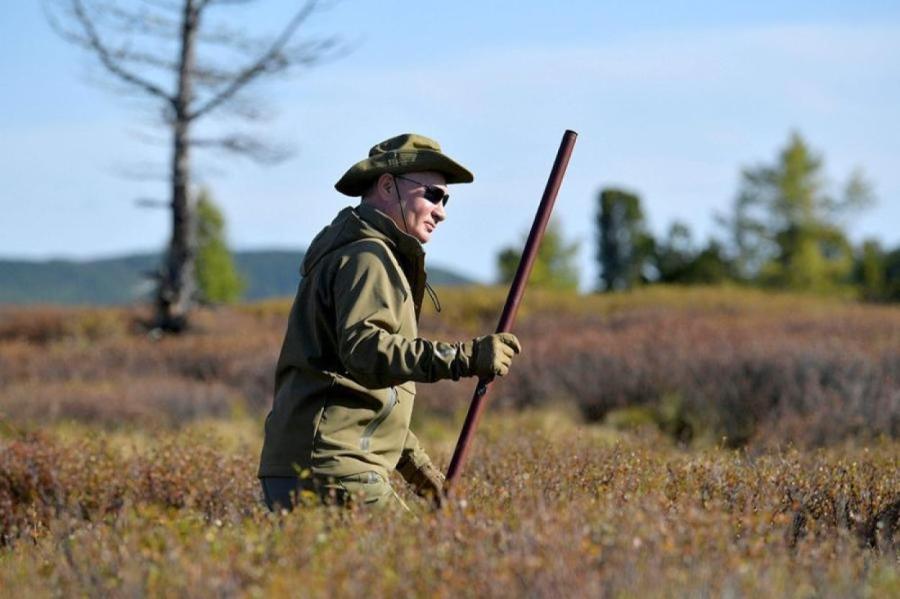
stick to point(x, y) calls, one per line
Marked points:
point(703, 364)
point(127, 464)
point(551, 508)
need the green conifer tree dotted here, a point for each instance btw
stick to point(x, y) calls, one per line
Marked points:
point(787, 226)
point(217, 277)
point(625, 247)
point(871, 270)
point(554, 267)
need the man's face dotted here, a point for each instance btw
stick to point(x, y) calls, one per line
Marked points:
point(422, 215)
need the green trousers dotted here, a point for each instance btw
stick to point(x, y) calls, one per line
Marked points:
point(366, 488)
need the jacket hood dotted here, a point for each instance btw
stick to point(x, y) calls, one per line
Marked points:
point(361, 222)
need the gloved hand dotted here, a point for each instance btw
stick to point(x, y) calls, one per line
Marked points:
point(428, 482)
point(492, 354)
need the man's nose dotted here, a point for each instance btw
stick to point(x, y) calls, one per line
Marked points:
point(439, 213)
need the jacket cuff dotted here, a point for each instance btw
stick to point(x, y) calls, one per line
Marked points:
point(464, 362)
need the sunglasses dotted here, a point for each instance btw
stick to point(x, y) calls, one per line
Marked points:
point(433, 193)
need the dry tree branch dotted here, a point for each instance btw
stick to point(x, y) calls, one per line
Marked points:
point(124, 55)
point(170, 6)
point(231, 39)
point(210, 76)
point(272, 57)
point(247, 146)
point(140, 21)
point(108, 58)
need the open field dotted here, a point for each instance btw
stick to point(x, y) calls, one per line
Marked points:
point(661, 443)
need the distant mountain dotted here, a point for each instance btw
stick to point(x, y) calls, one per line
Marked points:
point(123, 280)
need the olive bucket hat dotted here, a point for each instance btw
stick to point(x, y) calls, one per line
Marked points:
point(405, 153)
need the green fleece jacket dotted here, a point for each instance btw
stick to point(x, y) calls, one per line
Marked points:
point(345, 380)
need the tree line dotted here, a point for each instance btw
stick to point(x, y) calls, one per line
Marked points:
point(786, 229)
point(189, 64)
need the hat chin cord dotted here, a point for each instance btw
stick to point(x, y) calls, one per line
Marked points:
point(432, 294)
point(399, 201)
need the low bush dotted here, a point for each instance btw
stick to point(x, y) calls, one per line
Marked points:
point(48, 324)
point(710, 365)
point(114, 402)
point(546, 508)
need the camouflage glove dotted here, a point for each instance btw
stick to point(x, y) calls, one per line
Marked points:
point(427, 481)
point(492, 354)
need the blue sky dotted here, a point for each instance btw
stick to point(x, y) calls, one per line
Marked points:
point(670, 99)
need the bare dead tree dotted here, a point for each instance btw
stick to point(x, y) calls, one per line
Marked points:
point(151, 48)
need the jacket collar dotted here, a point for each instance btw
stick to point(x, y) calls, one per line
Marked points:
point(405, 244)
point(408, 249)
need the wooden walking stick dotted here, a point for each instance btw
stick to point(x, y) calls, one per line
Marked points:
point(511, 308)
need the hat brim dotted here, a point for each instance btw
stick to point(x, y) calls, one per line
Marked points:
point(360, 176)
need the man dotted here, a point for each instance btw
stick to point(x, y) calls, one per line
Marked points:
point(345, 380)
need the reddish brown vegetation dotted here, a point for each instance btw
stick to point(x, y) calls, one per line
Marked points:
point(550, 507)
point(766, 369)
point(42, 479)
point(752, 376)
point(547, 511)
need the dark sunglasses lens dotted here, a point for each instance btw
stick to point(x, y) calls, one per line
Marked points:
point(436, 195)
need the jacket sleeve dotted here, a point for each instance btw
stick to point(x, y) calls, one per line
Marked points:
point(369, 297)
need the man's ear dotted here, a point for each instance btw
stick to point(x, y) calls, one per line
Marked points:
point(386, 184)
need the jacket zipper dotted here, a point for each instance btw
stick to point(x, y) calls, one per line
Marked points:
point(366, 438)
